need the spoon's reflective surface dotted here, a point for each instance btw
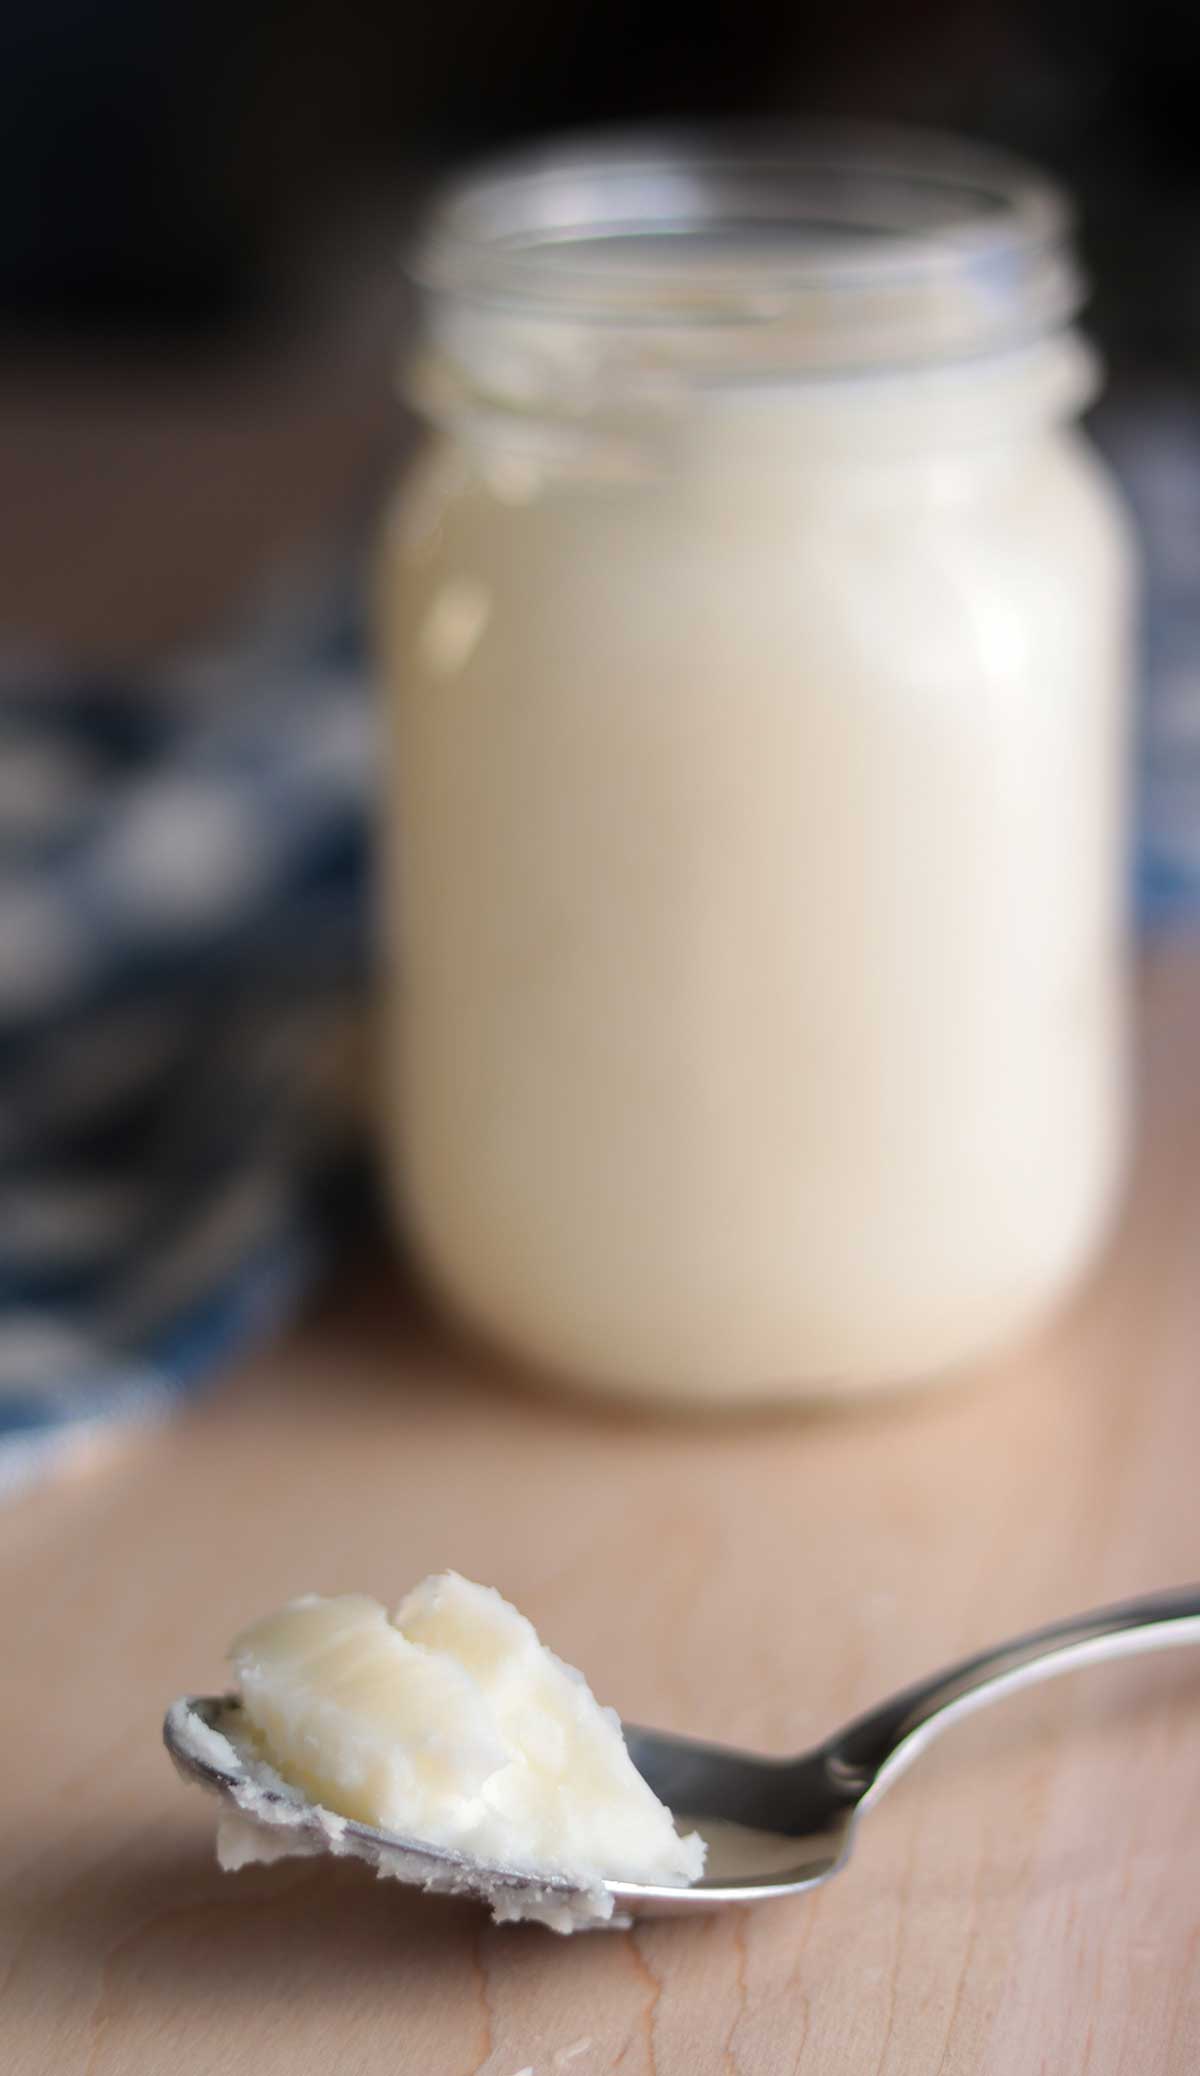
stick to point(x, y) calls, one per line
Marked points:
point(774, 1826)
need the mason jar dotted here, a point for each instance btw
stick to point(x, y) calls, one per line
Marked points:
point(756, 630)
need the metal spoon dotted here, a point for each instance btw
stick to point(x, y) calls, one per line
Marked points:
point(774, 1826)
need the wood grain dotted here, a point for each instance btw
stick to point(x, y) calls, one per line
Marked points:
point(1028, 1899)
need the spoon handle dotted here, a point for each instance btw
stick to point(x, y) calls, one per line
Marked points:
point(874, 1750)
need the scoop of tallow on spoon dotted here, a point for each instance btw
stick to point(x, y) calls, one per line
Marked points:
point(773, 1827)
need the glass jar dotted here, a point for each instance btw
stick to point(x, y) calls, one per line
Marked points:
point(757, 633)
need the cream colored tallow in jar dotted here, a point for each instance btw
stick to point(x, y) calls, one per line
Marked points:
point(756, 636)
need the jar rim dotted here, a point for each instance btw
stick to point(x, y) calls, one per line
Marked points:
point(768, 248)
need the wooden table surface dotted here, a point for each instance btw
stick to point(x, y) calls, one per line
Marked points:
point(1028, 1898)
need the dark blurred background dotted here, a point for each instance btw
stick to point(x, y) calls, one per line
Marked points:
point(173, 170)
point(201, 207)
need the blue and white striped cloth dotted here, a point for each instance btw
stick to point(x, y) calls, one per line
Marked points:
point(181, 945)
point(1154, 444)
point(181, 948)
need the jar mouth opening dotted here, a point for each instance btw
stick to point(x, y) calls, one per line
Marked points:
point(810, 247)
